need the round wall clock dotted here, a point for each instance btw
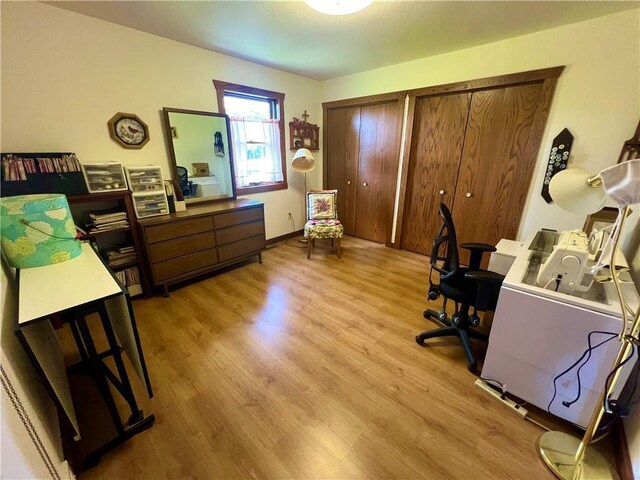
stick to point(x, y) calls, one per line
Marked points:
point(128, 130)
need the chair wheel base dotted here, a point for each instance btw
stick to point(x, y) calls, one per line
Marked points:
point(419, 340)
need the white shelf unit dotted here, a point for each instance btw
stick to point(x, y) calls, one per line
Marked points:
point(149, 204)
point(104, 177)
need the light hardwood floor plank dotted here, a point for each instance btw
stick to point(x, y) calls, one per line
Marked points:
point(303, 368)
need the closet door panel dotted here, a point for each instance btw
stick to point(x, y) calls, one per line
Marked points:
point(343, 132)
point(496, 167)
point(436, 148)
point(380, 130)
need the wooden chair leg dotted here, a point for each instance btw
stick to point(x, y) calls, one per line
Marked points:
point(309, 244)
point(338, 247)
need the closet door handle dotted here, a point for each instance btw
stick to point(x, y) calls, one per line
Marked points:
point(468, 195)
point(348, 182)
point(441, 192)
point(365, 184)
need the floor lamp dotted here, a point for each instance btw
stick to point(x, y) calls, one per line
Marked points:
point(304, 162)
point(568, 457)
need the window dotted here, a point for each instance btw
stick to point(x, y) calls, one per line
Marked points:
point(257, 136)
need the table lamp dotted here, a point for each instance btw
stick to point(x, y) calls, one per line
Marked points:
point(568, 457)
point(37, 230)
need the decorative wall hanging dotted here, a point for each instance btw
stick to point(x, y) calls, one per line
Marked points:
point(303, 134)
point(128, 130)
point(557, 160)
point(218, 144)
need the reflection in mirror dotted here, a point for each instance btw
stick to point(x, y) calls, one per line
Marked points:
point(200, 148)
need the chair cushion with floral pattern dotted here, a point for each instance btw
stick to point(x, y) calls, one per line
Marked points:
point(328, 228)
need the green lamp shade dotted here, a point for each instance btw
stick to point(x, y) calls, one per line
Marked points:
point(37, 230)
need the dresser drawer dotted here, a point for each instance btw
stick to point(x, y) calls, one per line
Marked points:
point(239, 216)
point(239, 232)
point(181, 246)
point(241, 247)
point(168, 231)
point(185, 264)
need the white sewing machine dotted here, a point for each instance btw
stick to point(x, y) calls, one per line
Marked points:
point(565, 269)
point(537, 333)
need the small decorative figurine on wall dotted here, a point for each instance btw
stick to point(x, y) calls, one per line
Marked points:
point(303, 134)
point(557, 160)
point(218, 145)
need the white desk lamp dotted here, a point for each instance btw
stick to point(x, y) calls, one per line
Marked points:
point(568, 457)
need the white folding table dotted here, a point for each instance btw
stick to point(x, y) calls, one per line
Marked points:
point(74, 289)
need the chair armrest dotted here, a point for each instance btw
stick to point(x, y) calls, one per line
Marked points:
point(485, 276)
point(477, 251)
point(488, 288)
point(479, 247)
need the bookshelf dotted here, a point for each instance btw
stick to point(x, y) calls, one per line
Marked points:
point(122, 200)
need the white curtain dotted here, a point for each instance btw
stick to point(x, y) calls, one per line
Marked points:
point(246, 136)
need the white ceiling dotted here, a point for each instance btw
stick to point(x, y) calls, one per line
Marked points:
point(292, 37)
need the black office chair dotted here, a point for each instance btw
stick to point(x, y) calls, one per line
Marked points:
point(470, 288)
point(186, 185)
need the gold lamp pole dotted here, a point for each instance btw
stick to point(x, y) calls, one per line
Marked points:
point(304, 162)
point(568, 457)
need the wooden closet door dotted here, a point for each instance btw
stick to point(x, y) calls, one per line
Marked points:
point(497, 163)
point(380, 131)
point(436, 147)
point(343, 134)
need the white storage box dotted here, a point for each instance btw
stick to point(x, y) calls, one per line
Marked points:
point(104, 177)
point(145, 179)
point(150, 204)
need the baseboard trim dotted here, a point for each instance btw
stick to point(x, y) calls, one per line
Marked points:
point(621, 450)
point(286, 236)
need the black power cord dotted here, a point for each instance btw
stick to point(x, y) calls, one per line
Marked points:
point(586, 353)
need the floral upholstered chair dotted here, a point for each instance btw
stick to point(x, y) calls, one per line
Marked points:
point(322, 219)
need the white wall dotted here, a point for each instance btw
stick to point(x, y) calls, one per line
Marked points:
point(64, 75)
point(597, 96)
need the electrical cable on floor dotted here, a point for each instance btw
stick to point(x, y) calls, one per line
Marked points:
point(535, 422)
point(298, 244)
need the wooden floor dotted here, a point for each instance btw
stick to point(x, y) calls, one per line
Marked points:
point(303, 368)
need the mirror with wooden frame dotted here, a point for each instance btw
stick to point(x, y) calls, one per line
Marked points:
point(200, 148)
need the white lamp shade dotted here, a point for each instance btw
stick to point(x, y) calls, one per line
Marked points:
point(303, 161)
point(570, 191)
point(622, 182)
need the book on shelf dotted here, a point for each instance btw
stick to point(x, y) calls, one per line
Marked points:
point(119, 256)
point(130, 278)
point(16, 166)
point(106, 220)
point(98, 217)
point(117, 223)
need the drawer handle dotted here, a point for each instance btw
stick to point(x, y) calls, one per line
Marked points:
point(365, 184)
point(441, 192)
point(348, 182)
point(468, 195)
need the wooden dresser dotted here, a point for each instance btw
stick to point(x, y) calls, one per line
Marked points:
point(201, 239)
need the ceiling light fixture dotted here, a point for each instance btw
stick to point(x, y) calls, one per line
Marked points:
point(338, 7)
